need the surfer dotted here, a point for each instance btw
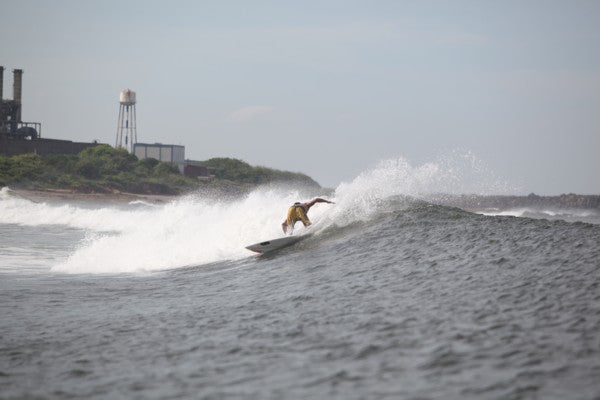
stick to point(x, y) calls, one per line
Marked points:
point(298, 211)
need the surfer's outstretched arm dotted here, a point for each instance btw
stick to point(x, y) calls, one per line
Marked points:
point(311, 203)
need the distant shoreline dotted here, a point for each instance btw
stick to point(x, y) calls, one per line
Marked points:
point(505, 202)
point(467, 202)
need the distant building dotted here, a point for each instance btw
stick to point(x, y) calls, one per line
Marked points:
point(42, 147)
point(172, 153)
point(11, 124)
point(195, 169)
point(19, 137)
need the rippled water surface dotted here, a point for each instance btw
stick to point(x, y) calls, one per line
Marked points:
point(411, 301)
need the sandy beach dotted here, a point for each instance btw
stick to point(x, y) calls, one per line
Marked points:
point(41, 195)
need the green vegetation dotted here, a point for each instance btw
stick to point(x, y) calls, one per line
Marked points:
point(234, 170)
point(103, 169)
point(99, 169)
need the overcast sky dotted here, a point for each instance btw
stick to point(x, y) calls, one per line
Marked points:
point(328, 88)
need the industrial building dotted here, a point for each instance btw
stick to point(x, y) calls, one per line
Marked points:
point(11, 124)
point(19, 137)
point(162, 152)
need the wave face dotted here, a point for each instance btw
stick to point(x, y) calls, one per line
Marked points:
point(393, 296)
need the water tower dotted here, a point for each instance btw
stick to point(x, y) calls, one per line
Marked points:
point(126, 127)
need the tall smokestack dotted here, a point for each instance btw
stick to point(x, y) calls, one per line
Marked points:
point(17, 90)
point(1, 83)
point(17, 84)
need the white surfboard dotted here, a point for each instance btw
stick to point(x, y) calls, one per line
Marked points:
point(276, 244)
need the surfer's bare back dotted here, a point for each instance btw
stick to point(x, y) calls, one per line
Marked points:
point(298, 212)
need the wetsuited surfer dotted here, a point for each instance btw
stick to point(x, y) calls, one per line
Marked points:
point(298, 212)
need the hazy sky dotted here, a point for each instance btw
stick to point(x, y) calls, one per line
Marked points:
point(328, 88)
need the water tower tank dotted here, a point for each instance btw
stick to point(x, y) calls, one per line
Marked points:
point(127, 97)
point(126, 128)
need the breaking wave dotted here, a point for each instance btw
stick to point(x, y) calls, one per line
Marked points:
point(195, 230)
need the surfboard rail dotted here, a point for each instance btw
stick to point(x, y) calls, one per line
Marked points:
point(268, 246)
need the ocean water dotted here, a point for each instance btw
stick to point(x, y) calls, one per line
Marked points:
point(392, 297)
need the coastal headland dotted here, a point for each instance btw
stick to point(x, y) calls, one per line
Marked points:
point(105, 172)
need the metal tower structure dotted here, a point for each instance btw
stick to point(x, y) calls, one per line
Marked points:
point(126, 126)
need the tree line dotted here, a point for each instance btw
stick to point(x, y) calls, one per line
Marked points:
point(104, 169)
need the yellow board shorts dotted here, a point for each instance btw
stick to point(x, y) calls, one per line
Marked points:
point(295, 214)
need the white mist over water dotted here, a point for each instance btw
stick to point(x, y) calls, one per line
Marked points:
point(195, 230)
point(457, 173)
point(190, 231)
